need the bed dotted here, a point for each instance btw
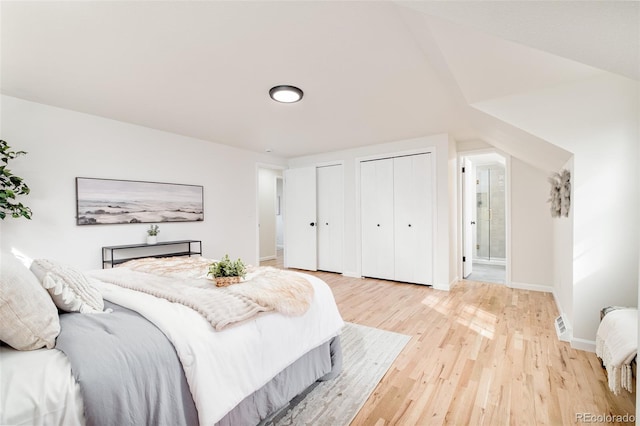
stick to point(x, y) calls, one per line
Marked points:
point(617, 346)
point(139, 358)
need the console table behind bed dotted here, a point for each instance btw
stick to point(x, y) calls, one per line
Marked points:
point(114, 255)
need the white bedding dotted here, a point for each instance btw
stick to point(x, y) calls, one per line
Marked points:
point(38, 389)
point(221, 367)
point(617, 346)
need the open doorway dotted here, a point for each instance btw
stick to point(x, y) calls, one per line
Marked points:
point(484, 217)
point(270, 217)
point(279, 215)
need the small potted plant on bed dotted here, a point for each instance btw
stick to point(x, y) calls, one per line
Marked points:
point(227, 271)
point(152, 234)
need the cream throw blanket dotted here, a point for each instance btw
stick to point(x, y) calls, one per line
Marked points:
point(264, 289)
point(617, 345)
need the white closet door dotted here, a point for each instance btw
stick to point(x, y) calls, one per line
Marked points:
point(300, 218)
point(330, 217)
point(376, 198)
point(413, 214)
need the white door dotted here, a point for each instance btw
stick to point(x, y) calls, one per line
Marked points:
point(413, 211)
point(468, 216)
point(330, 217)
point(300, 218)
point(376, 207)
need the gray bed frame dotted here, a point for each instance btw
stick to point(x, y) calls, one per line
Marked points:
point(267, 404)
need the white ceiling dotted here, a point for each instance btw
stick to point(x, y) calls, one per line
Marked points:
point(371, 71)
point(603, 34)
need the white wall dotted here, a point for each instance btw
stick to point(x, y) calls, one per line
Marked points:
point(563, 260)
point(531, 228)
point(473, 145)
point(440, 143)
point(63, 145)
point(638, 379)
point(455, 258)
point(597, 120)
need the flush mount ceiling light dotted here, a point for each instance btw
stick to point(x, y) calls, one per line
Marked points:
point(286, 94)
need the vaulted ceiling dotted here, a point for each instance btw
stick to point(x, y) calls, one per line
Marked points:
point(372, 72)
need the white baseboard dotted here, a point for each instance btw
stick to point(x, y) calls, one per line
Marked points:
point(576, 343)
point(532, 287)
point(567, 321)
point(443, 287)
point(583, 344)
point(557, 300)
point(500, 262)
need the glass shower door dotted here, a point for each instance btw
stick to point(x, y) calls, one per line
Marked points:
point(482, 213)
point(490, 212)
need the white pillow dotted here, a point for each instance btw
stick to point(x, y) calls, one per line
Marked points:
point(28, 318)
point(69, 288)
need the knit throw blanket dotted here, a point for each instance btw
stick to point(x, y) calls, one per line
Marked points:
point(617, 345)
point(264, 289)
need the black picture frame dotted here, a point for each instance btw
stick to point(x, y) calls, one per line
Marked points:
point(115, 201)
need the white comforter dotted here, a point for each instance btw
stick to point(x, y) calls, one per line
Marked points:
point(37, 388)
point(223, 367)
point(617, 346)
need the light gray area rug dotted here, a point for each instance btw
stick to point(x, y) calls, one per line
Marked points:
point(367, 355)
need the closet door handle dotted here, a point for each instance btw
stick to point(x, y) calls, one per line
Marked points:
point(378, 225)
point(409, 225)
point(312, 224)
point(327, 223)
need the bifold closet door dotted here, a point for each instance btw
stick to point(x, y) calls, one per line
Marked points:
point(330, 217)
point(376, 218)
point(413, 219)
point(300, 241)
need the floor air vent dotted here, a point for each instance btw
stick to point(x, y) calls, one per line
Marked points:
point(562, 330)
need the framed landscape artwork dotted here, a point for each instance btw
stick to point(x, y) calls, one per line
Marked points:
point(109, 201)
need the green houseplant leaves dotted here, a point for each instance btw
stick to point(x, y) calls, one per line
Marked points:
point(11, 186)
point(228, 268)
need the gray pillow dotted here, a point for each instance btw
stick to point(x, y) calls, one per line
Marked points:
point(69, 288)
point(28, 316)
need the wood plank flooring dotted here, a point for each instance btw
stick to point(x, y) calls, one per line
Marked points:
point(480, 354)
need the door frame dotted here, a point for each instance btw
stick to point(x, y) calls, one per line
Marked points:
point(507, 201)
point(257, 224)
point(280, 209)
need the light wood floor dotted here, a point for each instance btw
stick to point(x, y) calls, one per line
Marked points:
point(479, 354)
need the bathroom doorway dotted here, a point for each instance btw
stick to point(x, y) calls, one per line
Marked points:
point(485, 218)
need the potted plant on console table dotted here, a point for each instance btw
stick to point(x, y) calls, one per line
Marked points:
point(226, 271)
point(152, 234)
